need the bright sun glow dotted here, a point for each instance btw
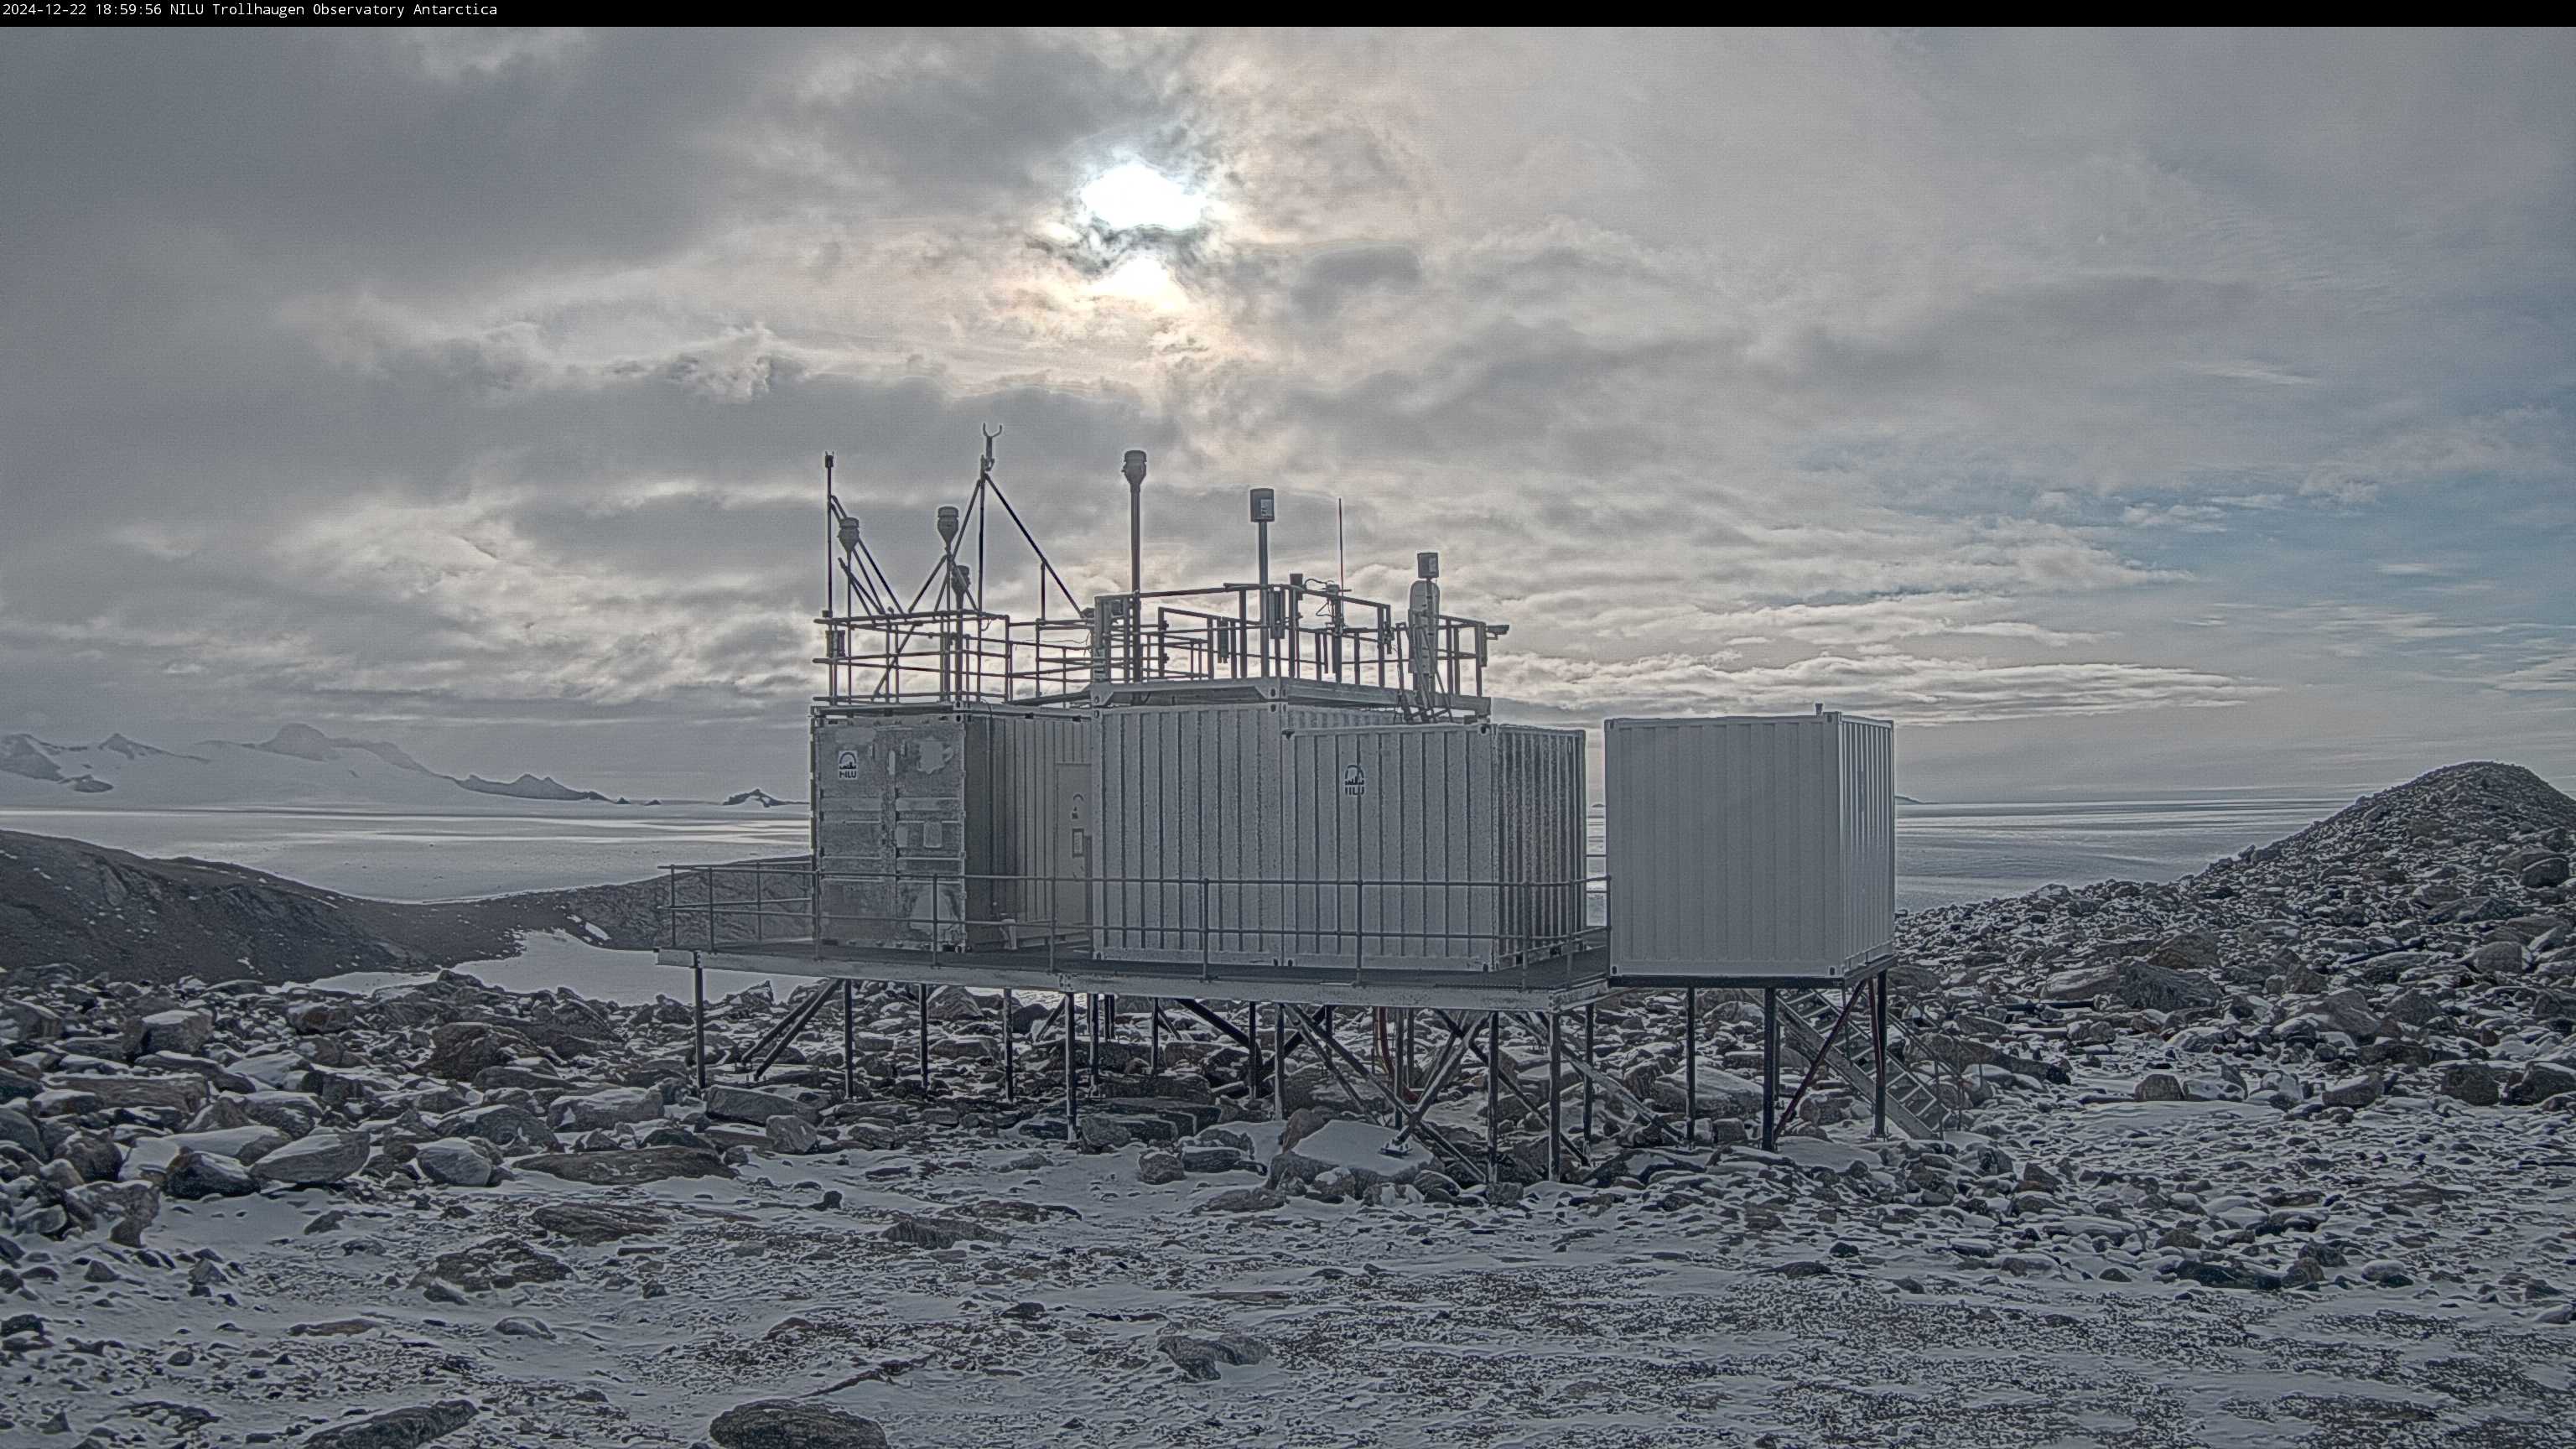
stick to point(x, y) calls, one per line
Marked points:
point(1141, 279)
point(1135, 195)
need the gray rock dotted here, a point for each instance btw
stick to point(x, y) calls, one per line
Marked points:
point(2480, 1084)
point(396, 1428)
point(20, 1130)
point(593, 1224)
point(615, 1107)
point(2158, 987)
point(312, 1161)
point(751, 1106)
point(1199, 1358)
point(2541, 1081)
point(181, 1031)
point(2497, 958)
point(2352, 1092)
point(2161, 1087)
point(460, 1049)
point(194, 1175)
point(792, 1134)
point(518, 1326)
point(457, 1162)
point(2546, 872)
point(172, 1093)
point(793, 1424)
point(500, 1262)
point(1242, 1200)
point(503, 1124)
point(633, 1165)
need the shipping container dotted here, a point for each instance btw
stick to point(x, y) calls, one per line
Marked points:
point(1439, 844)
point(1187, 849)
point(947, 826)
point(1751, 846)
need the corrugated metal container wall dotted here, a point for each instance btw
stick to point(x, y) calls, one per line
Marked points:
point(1750, 845)
point(1188, 808)
point(1012, 759)
point(1470, 839)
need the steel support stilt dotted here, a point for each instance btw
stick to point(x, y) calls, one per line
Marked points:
point(1278, 1058)
point(1493, 1097)
point(1010, 1052)
point(1154, 1050)
point(1878, 1054)
point(1587, 1076)
point(698, 1020)
point(1690, 1066)
point(922, 1059)
point(1770, 1065)
point(1252, 1044)
point(1072, 1102)
point(1555, 1069)
point(849, 1039)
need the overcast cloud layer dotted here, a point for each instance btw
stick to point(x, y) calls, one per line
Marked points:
point(2117, 412)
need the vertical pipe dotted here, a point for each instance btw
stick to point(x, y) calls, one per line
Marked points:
point(849, 1039)
point(1072, 1104)
point(1252, 1044)
point(1587, 1076)
point(1263, 529)
point(1154, 1049)
point(1770, 1064)
point(1010, 1052)
point(1878, 1054)
point(1690, 1065)
point(1555, 1070)
point(1095, 1041)
point(698, 984)
point(1493, 1100)
point(1278, 1058)
point(923, 996)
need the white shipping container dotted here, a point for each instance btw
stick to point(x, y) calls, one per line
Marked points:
point(1751, 846)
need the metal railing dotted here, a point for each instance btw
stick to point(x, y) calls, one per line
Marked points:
point(1295, 630)
point(783, 905)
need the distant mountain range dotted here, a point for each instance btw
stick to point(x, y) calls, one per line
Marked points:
point(298, 764)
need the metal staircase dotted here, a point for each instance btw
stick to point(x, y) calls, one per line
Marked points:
point(1916, 1105)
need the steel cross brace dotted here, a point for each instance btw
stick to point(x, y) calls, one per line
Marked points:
point(1512, 1086)
point(1416, 1119)
point(1619, 1094)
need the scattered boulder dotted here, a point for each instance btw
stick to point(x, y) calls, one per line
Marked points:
point(316, 1160)
point(407, 1428)
point(591, 1224)
point(184, 1032)
point(614, 1168)
point(1200, 1358)
point(194, 1175)
point(793, 1424)
point(751, 1106)
point(457, 1162)
point(460, 1049)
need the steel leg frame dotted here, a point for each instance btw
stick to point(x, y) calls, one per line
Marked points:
point(698, 1017)
point(1072, 1099)
point(849, 1039)
point(1010, 1052)
point(1878, 1054)
point(1770, 1066)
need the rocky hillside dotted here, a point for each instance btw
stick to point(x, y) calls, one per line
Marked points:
point(127, 916)
point(2420, 935)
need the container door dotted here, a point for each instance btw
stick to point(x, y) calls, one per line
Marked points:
point(1073, 847)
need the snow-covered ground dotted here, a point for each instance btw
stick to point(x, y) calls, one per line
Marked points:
point(1584, 1316)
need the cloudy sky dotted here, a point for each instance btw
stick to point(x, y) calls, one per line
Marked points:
point(2118, 412)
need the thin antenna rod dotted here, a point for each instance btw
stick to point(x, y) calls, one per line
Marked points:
point(1341, 557)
